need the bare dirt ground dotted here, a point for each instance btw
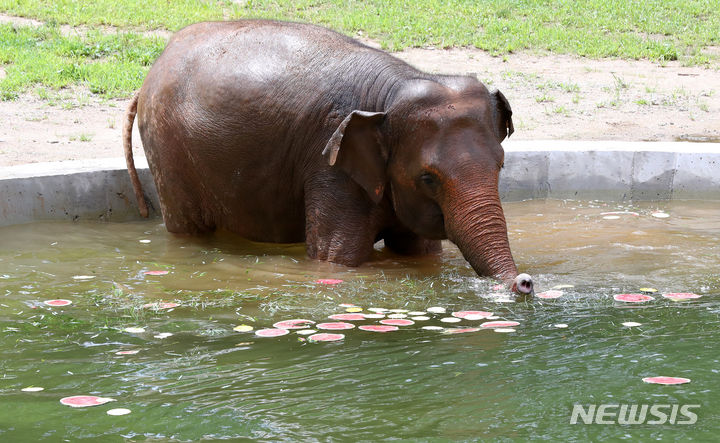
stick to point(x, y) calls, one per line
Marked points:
point(552, 96)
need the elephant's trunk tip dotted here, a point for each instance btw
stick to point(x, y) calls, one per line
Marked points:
point(523, 284)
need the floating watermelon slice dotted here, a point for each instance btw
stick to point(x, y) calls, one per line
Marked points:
point(499, 324)
point(378, 328)
point(347, 317)
point(128, 352)
point(397, 322)
point(326, 337)
point(297, 323)
point(472, 315)
point(161, 305)
point(553, 293)
point(156, 272)
point(666, 380)
point(58, 302)
point(337, 326)
point(329, 281)
point(632, 298)
point(681, 296)
point(83, 401)
point(460, 330)
point(271, 332)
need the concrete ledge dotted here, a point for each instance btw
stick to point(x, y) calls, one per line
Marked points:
point(611, 171)
point(73, 190)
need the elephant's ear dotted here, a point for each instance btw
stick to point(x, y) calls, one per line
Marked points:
point(356, 147)
point(503, 116)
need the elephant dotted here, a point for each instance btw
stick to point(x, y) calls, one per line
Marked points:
point(287, 132)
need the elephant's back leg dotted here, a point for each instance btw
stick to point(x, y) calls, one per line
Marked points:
point(184, 204)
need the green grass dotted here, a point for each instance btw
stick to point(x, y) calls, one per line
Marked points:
point(113, 65)
point(655, 29)
point(544, 98)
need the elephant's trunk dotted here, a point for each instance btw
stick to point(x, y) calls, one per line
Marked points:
point(475, 222)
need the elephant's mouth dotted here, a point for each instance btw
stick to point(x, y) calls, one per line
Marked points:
point(432, 225)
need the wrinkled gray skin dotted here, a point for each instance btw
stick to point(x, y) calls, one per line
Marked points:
point(285, 132)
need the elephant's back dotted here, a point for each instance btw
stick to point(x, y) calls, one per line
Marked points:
point(216, 80)
point(248, 106)
point(257, 59)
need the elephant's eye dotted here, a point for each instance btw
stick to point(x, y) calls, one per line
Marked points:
point(428, 179)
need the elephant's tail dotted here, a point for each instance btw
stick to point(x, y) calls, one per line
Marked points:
point(127, 144)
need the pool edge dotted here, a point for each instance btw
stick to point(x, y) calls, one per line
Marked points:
point(598, 170)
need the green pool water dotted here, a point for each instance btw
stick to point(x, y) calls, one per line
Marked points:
point(208, 382)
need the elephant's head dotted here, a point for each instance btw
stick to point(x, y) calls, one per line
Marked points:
point(436, 152)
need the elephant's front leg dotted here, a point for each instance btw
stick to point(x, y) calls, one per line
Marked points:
point(340, 225)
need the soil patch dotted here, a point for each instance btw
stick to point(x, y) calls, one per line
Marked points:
point(552, 96)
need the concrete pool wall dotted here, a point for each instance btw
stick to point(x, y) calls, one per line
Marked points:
point(598, 170)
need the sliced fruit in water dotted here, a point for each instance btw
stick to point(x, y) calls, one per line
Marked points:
point(460, 330)
point(326, 337)
point(296, 323)
point(243, 328)
point(632, 298)
point(472, 315)
point(347, 317)
point(58, 302)
point(378, 328)
point(666, 380)
point(681, 296)
point(335, 325)
point(329, 281)
point(499, 324)
point(32, 389)
point(271, 332)
point(397, 322)
point(552, 293)
point(83, 401)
